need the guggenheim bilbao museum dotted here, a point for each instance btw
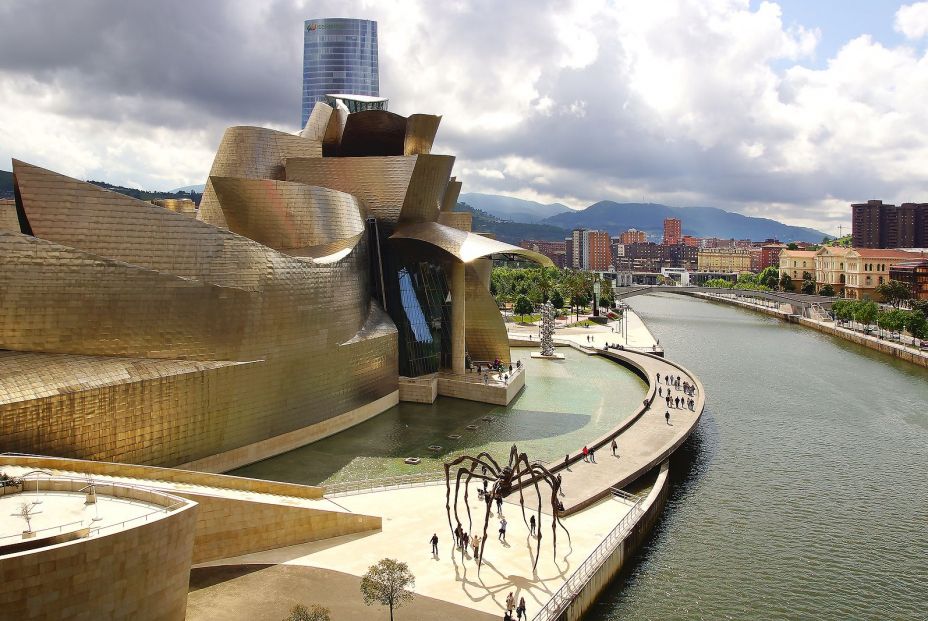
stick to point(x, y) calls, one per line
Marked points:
point(322, 273)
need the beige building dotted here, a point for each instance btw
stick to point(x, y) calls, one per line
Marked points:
point(830, 267)
point(795, 263)
point(868, 268)
point(729, 260)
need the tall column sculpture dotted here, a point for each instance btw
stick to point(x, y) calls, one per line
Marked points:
point(547, 329)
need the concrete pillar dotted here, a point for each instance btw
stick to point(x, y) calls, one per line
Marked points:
point(457, 317)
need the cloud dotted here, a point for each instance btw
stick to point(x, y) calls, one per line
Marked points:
point(704, 102)
point(912, 20)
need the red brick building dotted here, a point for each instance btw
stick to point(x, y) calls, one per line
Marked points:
point(633, 236)
point(554, 250)
point(599, 251)
point(673, 231)
point(770, 255)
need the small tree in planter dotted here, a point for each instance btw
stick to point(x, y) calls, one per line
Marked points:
point(26, 510)
point(388, 583)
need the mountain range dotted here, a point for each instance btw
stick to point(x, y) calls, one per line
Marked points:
point(513, 219)
point(648, 217)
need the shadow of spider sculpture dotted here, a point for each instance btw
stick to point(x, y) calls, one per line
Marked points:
point(503, 481)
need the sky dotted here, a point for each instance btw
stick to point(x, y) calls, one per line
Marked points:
point(790, 110)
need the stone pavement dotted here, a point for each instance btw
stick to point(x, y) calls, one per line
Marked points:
point(411, 515)
point(638, 334)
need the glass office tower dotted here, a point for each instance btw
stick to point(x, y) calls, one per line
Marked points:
point(339, 56)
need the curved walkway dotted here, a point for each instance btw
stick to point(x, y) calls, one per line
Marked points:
point(644, 439)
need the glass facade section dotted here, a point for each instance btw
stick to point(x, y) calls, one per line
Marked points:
point(419, 301)
point(339, 56)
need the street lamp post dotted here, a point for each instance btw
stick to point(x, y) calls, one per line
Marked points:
point(597, 287)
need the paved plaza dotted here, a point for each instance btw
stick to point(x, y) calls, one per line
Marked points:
point(411, 515)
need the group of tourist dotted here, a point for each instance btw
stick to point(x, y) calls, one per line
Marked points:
point(511, 604)
point(499, 368)
point(676, 402)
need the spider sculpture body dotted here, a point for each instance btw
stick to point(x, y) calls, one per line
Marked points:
point(501, 482)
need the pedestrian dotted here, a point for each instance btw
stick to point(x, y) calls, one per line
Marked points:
point(667, 416)
point(615, 447)
point(507, 616)
point(677, 403)
point(660, 392)
point(667, 399)
point(531, 526)
point(592, 457)
point(559, 487)
point(466, 542)
point(434, 541)
point(476, 543)
point(510, 603)
point(586, 454)
point(658, 378)
point(566, 459)
point(502, 530)
point(520, 609)
point(499, 504)
point(458, 535)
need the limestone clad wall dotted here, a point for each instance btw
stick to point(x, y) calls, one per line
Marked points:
point(140, 573)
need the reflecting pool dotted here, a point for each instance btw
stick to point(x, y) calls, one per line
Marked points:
point(564, 404)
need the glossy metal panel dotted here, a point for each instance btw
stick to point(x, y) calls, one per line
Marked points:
point(485, 331)
point(450, 198)
point(293, 218)
point(252, 153)
point(420, 133)
point(462, 245)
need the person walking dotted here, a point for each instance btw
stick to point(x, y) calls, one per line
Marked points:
point(476, 543)
point(586, 454)
point(434, 541)
point(658, 378)
point(510, 603)
point(615, 447)
point(502, 530)
point(458, 535)
point(592, 456)
point(499, 504)
point(677, 403)
point(466, 542)
point(660, 391)
point(667, 416)
point(520, 609)
point(531, 526)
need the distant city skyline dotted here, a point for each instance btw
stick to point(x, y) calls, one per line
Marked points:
point(789, 110)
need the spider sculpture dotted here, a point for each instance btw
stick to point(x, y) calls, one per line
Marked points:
point(503, 481)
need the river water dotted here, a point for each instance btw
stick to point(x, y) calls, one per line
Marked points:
point(803, 493)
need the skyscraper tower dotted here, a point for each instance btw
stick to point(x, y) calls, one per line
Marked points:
point(339, 57)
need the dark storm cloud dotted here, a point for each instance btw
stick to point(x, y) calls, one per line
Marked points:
point(172, 62)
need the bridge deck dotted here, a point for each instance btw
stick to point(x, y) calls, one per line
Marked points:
point(783, 297)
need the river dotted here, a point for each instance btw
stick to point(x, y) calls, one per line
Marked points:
point(803, 493)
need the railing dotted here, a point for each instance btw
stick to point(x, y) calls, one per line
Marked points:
point(368, 485)
point(60, 528)
point(105, 488)
point(577, 580)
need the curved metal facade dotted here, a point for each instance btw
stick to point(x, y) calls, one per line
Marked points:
point(139, 334)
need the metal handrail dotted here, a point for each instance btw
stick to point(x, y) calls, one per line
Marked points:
point(76, 483)
point(367, 485)
point(59, 528)
point(563, 597)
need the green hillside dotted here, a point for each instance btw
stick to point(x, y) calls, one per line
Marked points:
point(512, 232)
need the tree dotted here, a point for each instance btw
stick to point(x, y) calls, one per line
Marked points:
point(768, 277)
point(917, 324)
point(894, 292)
point(866, 312)
point(827, 289)
point(575, 284)
point(523, 307)
point(387, 583)
point(808, 286)
point(314, 613)
point(792, 246)
point(557, 300)
point(786, 283)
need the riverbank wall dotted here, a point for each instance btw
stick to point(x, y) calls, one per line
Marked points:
point(652, 508)
point(890, 348)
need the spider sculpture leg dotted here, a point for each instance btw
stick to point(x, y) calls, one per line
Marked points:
point(486, 524)
point(448, 467)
